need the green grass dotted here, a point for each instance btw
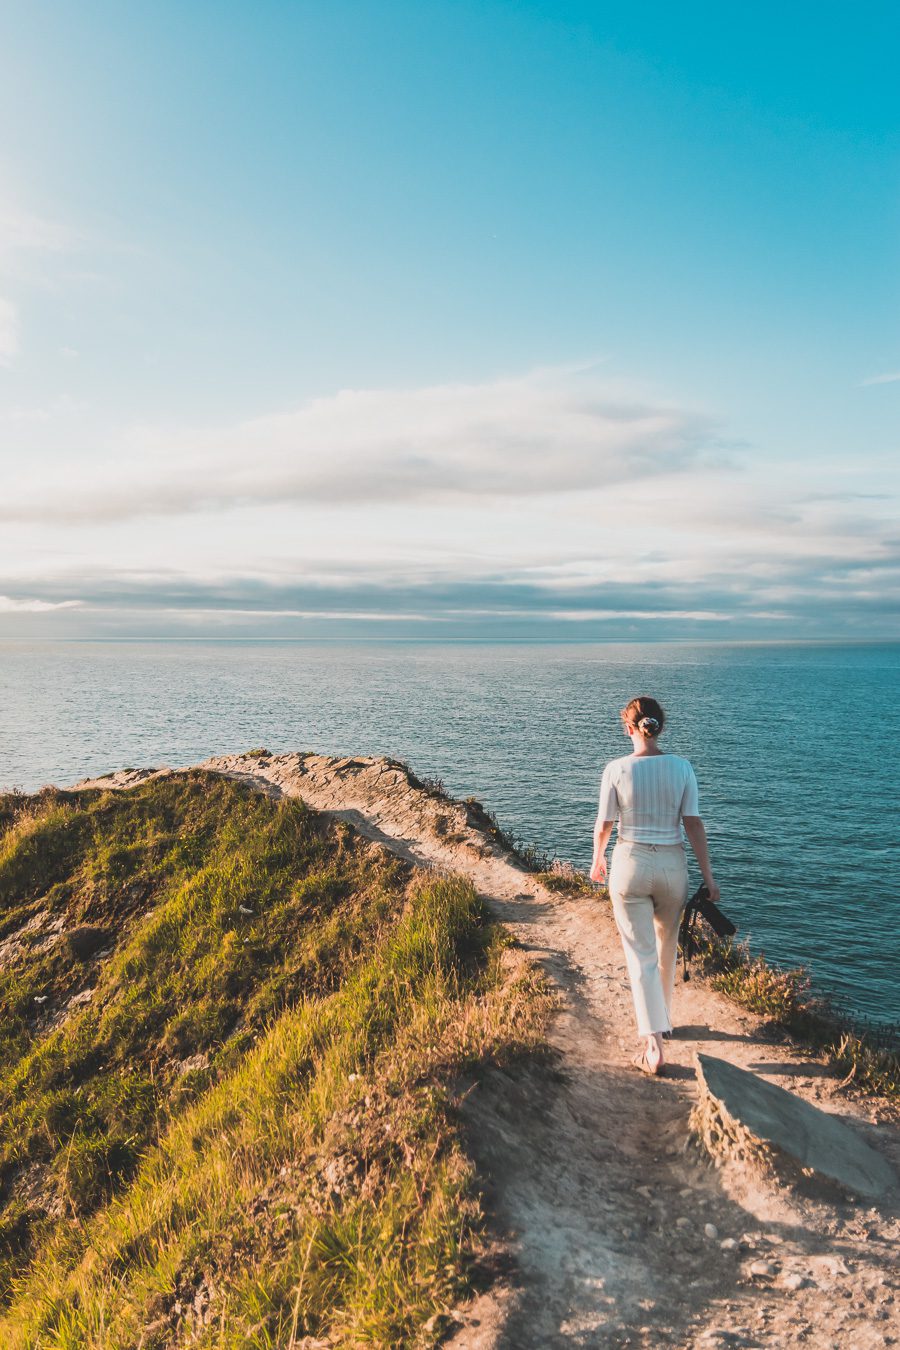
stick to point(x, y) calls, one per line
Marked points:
point(566, 879)
point(248, 1134)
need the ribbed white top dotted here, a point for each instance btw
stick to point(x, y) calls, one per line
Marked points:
point(648, 794)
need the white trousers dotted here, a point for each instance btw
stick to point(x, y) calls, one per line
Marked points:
point(648, 886)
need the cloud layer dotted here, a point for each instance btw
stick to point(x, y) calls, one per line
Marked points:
point(543, 433)
point(787, 598)
point(555, 502)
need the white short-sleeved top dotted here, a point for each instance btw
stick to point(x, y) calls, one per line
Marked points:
point(649, 794)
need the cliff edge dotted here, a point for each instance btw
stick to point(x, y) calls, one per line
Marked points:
point(609, 1223)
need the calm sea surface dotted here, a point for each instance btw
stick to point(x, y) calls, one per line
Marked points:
point(793, 748)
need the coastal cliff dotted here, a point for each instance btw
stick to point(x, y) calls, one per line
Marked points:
point(299, 1052)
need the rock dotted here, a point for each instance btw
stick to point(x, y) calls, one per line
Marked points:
point(794, 1282)
point(729, 1244)
point(682, 1222)
point(341, 1173)
point(769, 1116)
point(193, 1063)
point(762, 1270)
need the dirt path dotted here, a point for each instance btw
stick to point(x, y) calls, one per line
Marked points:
point(600, 1204)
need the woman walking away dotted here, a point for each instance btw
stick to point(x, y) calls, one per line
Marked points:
point(652, 794)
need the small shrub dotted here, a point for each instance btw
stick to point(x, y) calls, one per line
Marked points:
point(566, 879)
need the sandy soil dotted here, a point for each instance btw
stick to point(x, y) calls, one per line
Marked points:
point(608, 1220)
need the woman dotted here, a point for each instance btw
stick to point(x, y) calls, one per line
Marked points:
point(652, 795)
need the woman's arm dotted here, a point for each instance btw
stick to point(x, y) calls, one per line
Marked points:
point(696, 833)
point(602, 831)
point(607, 814)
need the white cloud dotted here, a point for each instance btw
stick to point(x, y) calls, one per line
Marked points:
point(21, 234)
point(20, 230)
point(9, 605)
point(9, 331)
point(580, 615)
point(891, 378)
point(545, 432)
point(556, 495)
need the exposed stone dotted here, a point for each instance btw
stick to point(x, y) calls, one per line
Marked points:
point(795, 1281)
point(78, 1000)
point(193, 1063)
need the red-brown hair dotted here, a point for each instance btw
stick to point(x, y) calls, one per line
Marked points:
point(645, 714)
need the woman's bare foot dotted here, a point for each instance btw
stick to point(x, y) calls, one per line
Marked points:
point(650, 1058)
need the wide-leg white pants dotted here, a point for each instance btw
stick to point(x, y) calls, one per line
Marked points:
point(648, 886)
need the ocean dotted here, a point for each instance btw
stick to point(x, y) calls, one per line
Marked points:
point(792, 745)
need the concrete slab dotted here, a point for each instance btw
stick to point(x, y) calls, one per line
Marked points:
point(812, 1137)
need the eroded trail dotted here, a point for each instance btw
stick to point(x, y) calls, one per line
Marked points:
point(608, 1221)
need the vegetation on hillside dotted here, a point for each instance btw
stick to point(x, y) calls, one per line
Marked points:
point(232, 1040)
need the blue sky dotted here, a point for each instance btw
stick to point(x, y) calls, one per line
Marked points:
point(442, 320)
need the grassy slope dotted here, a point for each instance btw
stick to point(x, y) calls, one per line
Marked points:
point(246, 1133)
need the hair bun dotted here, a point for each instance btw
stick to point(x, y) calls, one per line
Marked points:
point(649, 725)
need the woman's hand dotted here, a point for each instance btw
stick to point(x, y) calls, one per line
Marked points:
point(602, 831)
point(598, 869)
point(714, 892)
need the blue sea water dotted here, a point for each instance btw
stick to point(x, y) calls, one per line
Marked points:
point(793, 747)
